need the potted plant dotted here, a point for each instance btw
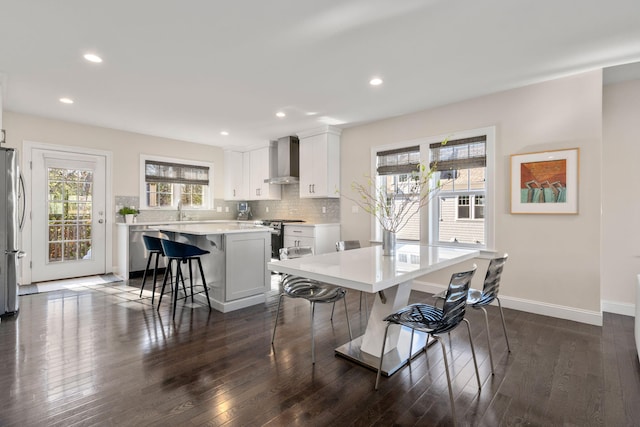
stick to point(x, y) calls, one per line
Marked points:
point(128, 213)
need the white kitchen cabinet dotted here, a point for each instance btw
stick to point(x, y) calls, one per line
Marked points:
point(320, 163)
point(234, 176)
point(262, 163)
point(321, 237)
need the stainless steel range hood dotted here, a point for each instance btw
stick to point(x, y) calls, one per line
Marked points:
point(288, 168)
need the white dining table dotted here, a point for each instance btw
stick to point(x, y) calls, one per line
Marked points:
point(390, 278)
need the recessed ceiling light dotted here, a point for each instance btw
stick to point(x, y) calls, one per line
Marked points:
point(376, 81)
point(281, 114)
point(224, 133)
point(66, 100)
point(311, 113)
point(92, 58)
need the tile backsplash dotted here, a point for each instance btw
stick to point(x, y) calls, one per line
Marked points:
point(154, 215)
point(291, 206)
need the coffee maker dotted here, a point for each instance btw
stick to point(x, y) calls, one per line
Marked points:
point(244, 211)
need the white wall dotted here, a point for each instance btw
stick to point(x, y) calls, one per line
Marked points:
point(125, 147)
point(554, 259)
point(620, 196)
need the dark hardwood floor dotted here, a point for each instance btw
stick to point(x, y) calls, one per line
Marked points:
point(102, 356)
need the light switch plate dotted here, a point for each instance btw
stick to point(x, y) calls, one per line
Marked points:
point(354, 209)
point(226, 208)
point(219, 209)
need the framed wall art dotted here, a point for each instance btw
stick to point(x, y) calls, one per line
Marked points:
point(545, 182)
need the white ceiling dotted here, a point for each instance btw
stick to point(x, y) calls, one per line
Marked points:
point(190, 69)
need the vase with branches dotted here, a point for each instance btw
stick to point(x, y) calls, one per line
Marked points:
point(395, 208)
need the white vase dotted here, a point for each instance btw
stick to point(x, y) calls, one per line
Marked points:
point(388, 243)
point(128, 218)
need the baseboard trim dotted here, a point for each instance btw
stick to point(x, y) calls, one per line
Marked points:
point(625, 309)
point(530, 306)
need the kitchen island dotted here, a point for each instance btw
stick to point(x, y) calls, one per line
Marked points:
point(236, 267)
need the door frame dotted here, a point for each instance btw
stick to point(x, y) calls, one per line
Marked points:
point(26, 162)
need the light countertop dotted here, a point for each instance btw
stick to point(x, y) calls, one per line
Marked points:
point(366, 269)
point(204, 229)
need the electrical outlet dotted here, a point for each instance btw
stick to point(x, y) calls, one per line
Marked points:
point(324, 209)
point(219, 209)
point(226, 208)
point(266, 209)
point(355, 209)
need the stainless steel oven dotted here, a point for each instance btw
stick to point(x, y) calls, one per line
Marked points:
point(277, 233)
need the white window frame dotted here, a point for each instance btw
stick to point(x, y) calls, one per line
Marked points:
point(207, 196)
point(472, 200)
point(429, 229)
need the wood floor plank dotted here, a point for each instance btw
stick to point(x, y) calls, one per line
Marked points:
point(102, 356)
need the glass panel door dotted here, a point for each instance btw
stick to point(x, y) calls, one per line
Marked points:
point(68, 238)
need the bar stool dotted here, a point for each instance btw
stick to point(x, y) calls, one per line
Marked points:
point(154, 247)
point(182, 253)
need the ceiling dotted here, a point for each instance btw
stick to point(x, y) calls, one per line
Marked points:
point(190, 69)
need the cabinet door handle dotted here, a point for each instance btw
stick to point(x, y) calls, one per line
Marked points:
point(314, 188)
point(234, 193)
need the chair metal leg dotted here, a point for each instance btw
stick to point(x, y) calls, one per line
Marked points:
point(473, 353)
point(144, 276)
point(164, 282)
point(175, 291)
point(366, 304)
point(313, 339)
point(204, 283)
point(504, 326)
point(191, 279)
point(333, 308)
point(384, 341)
point(446, 369)
point(486, 323)
point(346, 313)
point(155, 276)
point(411, 347)
point(275, 325)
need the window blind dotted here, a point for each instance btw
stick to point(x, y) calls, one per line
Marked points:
point(459, 154)
point(399, 161)
point(177, 173)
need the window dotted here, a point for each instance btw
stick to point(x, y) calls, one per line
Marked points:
point(461, 213)
point(167, 183)
point(461, 166)
point(394, 168)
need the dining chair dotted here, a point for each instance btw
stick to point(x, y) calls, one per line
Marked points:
point(154, 248)
point(479, 299)
point(182, 253)
point(311, 290)
point(346, 245)
point(434, 321)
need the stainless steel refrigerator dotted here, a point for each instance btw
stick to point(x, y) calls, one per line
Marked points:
point(11, 216)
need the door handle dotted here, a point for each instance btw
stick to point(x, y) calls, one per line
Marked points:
point(100, 221)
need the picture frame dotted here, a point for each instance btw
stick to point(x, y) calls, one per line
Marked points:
point(545, 182)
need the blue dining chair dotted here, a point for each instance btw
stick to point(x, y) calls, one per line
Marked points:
point(182, 253)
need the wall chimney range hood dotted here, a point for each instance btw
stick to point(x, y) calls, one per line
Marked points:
point(288, 159)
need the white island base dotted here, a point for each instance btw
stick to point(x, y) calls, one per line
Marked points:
point(236, 267)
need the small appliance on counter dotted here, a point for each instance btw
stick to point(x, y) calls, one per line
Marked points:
point(244, 211)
